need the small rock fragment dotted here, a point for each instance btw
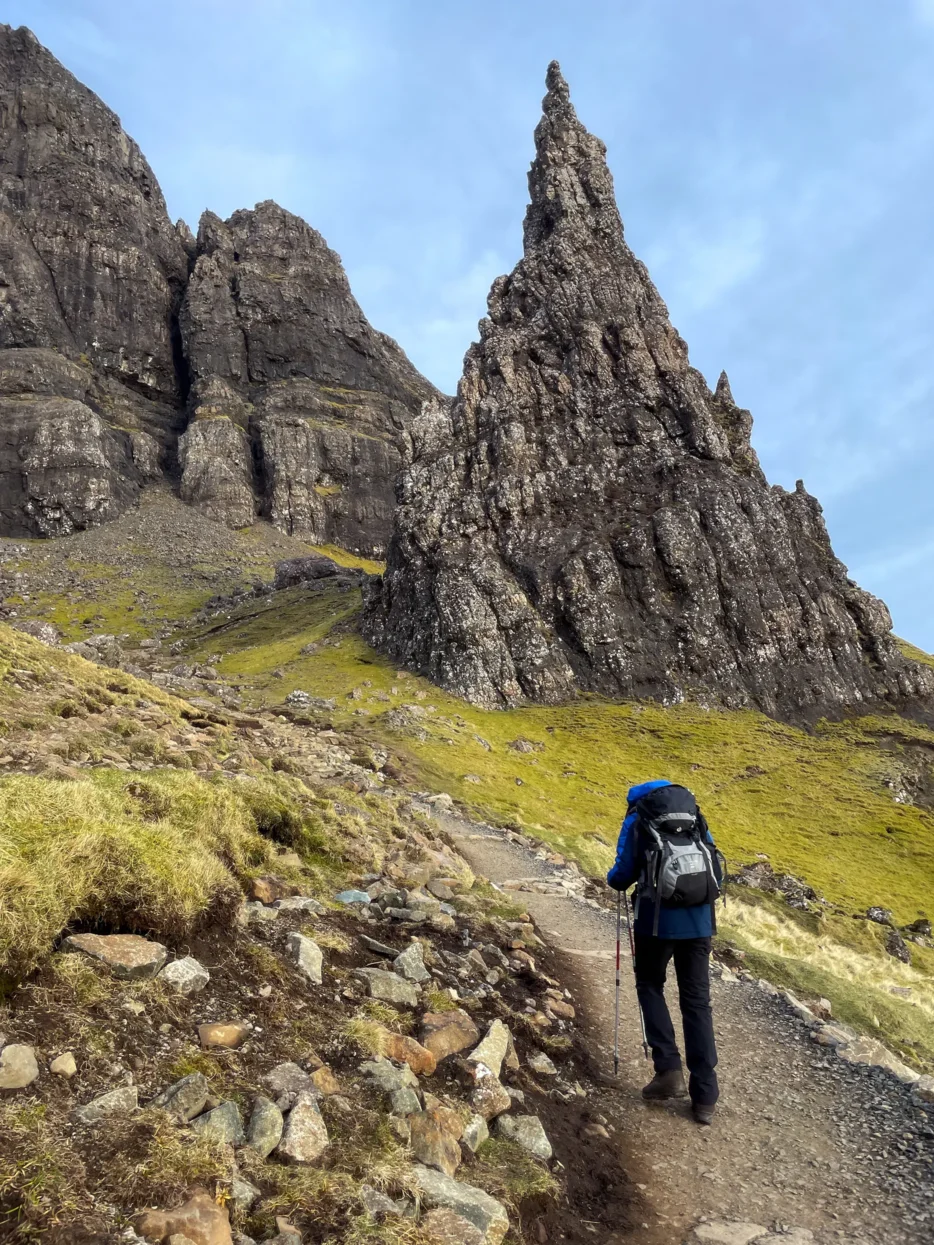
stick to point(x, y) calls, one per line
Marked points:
point(325, 1082)
point(541, 1064)
point(351, 897)
point(186, 975)
point(223, 1036)
point(307, 955)
point(18, 1067)
point(490, 1097)
point(64, 1065)
point(300, 903)
point(377, 1205)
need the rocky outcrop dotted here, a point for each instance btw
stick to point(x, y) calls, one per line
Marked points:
point(91, 275)
point(279, 349)
point(289, 403)
point(589, 515)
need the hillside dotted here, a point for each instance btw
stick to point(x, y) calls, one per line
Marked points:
point(843, 806)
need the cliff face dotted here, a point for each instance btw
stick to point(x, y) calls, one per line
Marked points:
point(304, 396)
point(589, 515)
point(119, 331)
point(91, 275)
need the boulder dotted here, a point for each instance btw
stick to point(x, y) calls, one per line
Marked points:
point(445, 1227)
point(307, 956)
point(411, 963)
point(494, 1047)
point(200, 1219)
point(122, 1101)
point(434, 1138)
point(526, 1131)
point(447, 1033)
point(264, 1131)
point(302, 570)
point(128, 956)
point(305, 1137)
point(389, 987)
point(185, 1098)
point(223, 1124)
point(436, 1189)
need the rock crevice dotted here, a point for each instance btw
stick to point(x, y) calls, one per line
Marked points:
point(588, 515)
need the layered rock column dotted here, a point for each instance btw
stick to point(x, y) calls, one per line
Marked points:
point(590, 516)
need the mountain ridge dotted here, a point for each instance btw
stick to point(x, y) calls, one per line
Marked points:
point(121, 334)
point(588, 515)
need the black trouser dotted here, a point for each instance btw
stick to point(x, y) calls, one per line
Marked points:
point(691, 956)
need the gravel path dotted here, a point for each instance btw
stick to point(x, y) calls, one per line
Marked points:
point(802, 1140)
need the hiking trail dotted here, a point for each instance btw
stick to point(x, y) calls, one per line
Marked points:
point(803, 1144)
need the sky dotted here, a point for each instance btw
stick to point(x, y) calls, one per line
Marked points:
point(774, 165)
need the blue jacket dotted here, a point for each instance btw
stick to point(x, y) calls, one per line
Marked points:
point(672, 922)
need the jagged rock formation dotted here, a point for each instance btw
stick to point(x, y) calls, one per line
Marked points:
point(91, 274)
point(589, 515)
point(291, 382)
point(288, 401)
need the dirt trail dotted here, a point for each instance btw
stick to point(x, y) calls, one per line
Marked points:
point(801, 1139)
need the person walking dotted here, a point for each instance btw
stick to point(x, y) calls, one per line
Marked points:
point(666, 849)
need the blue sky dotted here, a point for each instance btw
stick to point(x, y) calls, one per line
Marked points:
point(774, 163)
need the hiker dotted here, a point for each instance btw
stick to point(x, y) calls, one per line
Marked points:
point(666, 848)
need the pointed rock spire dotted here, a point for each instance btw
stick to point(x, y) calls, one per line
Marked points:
point(723, 392)
point(589, 515)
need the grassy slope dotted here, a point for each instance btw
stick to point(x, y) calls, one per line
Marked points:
point(821, 805)
point(816, 803)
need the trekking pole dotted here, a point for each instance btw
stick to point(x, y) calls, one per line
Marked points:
point(619, 927)
point(632, 952)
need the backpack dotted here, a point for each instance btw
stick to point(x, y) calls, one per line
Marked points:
point(680, 868)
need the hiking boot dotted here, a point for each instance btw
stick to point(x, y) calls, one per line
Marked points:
point(702, 1114)
point(668, 1084)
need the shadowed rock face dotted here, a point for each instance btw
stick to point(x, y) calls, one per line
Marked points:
point(109, 348)
point(280, 351)
point(91, 274)
point(589, 515)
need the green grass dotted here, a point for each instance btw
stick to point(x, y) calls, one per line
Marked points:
point(916, 654)
point(820, 803)
point(814, 801)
